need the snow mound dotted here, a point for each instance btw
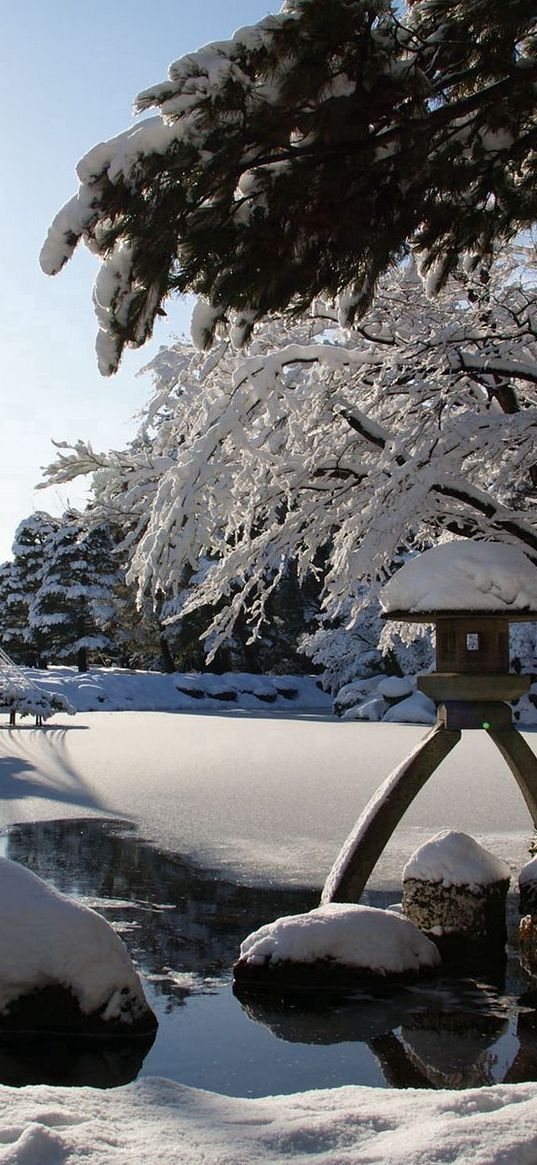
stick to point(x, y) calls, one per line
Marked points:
point(47, 938)
point(416, 709)
point(454, 859)
point(395, 687)
point(473, 576)
point(355, 936)
point(117, 689)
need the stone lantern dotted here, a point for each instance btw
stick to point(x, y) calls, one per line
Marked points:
point(472, 677)
point(471, 592)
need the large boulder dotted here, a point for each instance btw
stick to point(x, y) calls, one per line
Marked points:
point(337, 945)
point(62, 966)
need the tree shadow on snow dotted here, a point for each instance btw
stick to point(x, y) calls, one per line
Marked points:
point(38, 766)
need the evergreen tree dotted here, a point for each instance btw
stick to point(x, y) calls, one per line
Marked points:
point(32, 537)
point(304, 155)
point(73, 606)
point(13, 612)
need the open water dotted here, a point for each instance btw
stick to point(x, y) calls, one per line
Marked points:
point(183, 925)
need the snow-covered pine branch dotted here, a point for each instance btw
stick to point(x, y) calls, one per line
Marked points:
point(304, 156)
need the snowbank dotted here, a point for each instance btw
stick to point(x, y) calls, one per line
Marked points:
point(119, 690)
point(356, 936)
point(390, 698)
point(160, 1123)
point(454, 859)
point(475, 576)
point(49, 939)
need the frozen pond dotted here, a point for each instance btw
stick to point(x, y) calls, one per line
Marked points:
point(261, 797)
point(237, 820)
point(183, 928)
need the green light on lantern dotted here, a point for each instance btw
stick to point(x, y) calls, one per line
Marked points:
point(485, 724)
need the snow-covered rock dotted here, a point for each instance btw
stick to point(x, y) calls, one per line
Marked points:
point(527, 884)
point(455, 859)
point(357, 939)
point(62, 966)
point(390, 698)
point(463, 575)
point(395, 687)
point(373, 709)
point(416, 709)
point(453, 887)
point(353, 694)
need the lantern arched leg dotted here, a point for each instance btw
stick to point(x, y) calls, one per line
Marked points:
point(363, 847)
point(522, 762)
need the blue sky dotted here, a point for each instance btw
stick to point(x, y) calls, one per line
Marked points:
point(69, 74)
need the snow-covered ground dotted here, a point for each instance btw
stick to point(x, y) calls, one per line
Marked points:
point(155, 1122)
point(266, 794)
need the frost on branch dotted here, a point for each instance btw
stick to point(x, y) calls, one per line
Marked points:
point(338, 449)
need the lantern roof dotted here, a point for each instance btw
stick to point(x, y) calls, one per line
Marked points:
point(463, 578)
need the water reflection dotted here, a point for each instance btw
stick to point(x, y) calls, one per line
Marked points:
point(180, 923)
point(183, 927)
point(73, 1063)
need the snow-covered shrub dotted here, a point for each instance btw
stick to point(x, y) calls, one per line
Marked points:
point(28, 700)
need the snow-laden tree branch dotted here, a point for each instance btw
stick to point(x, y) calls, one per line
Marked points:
point(331, 447)
point(304, 156)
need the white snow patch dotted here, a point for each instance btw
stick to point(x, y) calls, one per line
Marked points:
point(394, 687)
point(203, 322)
point(160, 1123)
point(357, 936)
point(476, 576)
point(454, 859)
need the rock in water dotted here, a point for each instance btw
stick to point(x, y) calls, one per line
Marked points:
point(335, 945)
point(454, 889)
point(62, 966)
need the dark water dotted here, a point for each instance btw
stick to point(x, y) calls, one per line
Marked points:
point(183, 927)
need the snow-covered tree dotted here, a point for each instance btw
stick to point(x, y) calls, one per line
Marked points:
point(304, 155)
point(21, 580)
point(73, 606)
point(335, 449)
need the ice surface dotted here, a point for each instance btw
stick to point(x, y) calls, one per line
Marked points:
point(357, 936)
point(475, 576)
point(455, 859)
point(260, 794)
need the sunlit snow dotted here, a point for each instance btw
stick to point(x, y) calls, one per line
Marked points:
point(476, 576)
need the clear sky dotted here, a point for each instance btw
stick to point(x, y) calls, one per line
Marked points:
point(69, 74)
